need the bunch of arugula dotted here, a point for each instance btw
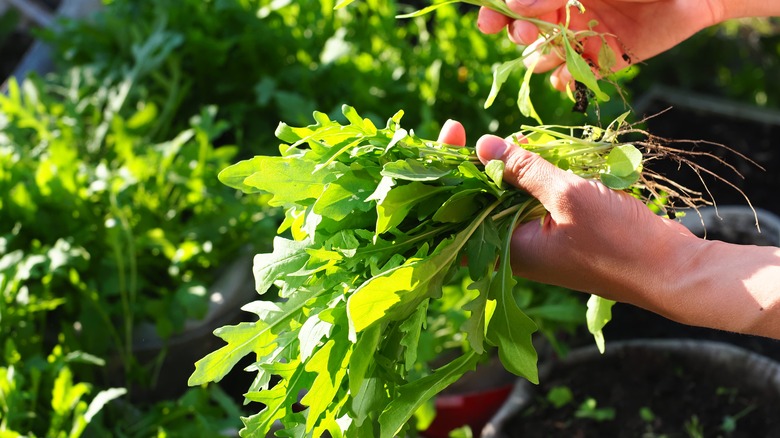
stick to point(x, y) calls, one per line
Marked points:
point(377, 221)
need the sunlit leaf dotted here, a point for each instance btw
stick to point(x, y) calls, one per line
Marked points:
point(581, 71)
point(599, 313)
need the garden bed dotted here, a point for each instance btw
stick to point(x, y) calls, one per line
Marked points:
point(654, 389)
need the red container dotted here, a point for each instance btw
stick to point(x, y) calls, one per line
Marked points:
point(474, 409)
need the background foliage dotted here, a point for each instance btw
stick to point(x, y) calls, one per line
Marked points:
point(111, 212)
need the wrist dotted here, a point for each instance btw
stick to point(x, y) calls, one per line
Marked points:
point(723, 286)
point(673, 269)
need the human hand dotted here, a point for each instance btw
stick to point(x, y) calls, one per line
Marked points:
point(608, 243)
point(635, 30)
point(593, 239)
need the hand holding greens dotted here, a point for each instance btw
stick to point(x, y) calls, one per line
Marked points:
point(377, 220)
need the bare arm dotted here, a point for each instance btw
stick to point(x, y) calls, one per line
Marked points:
point(725, 286)
point(608, 243)
point(749, 8)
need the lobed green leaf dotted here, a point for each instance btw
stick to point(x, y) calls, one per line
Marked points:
point(509, 328)
point(412, 395)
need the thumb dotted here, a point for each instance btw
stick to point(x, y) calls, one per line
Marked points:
point(526, 170)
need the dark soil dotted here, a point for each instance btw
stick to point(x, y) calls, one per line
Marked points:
point(682, 397)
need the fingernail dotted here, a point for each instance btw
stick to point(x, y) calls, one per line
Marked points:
point(443, 131)
point(491, 147)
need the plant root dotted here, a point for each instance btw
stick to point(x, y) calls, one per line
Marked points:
point(676, 195)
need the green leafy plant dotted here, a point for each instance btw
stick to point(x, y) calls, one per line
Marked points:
point(433, 72)
point(113, 214)
point(26, 384)
point(560, 396)
point(148, 224)
point(378, 221)
point(106, 231)
point(693, 427)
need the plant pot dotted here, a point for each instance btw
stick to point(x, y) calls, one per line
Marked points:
point(472, 400)
point(735, 224)
point(652, 387)
point(174, 359)
point(38, 58)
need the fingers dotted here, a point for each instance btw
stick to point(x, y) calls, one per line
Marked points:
point(562, 79)
point(490, 21)
point(522, 32)
point(538, 61)
point(534, 8)
point(452, 133)
point(526, 170)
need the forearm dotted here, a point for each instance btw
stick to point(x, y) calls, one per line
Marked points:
point(750, 8)
point(723, 286)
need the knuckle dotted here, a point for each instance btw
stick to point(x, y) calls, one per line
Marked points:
point(521, 166)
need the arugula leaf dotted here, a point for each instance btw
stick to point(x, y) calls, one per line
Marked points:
point(245, 338)
point(399, 201)
point(289, 256)
point(495, 170)
point(482, 249)
point(342, 4)
point(500, 75)
point(293, 379)
point(510, 329)
point(599, 313)
point(427, 9)
point(408, 284)
point(413, 170)
point(460, 207)
point(329, 365)
point(474, 327)
point(289, 179)
point(412, 395)
point(411, 328)
point(581, 71)
point(524, 95)
point(343, 197)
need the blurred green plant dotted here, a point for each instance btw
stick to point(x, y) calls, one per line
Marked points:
point(109, 204)
point(106, 230)
point(737, 59)
point(124, 230)
point(29, 383)
point(262, 61)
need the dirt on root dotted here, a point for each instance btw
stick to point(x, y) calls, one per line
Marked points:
point(652, 395)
